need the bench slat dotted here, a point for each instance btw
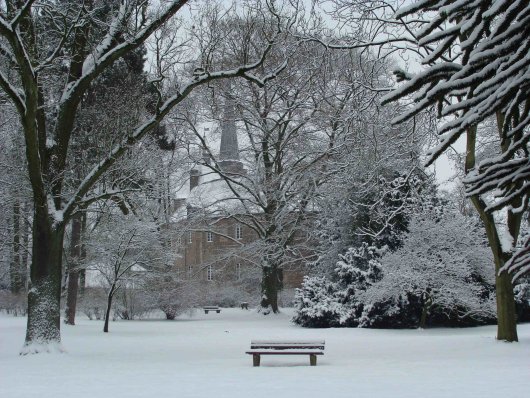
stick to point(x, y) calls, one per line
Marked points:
point(280, 349)
point(286, 347)
point(314, 342)
point(258, 352)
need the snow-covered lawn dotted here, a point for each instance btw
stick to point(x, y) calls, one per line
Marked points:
point(203, 356)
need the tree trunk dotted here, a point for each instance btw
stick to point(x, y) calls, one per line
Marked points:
point(44, 296)
point(427, 303)
point(26, 232)
point(73, 272)
point(71, 297)
point(16, 270)
point(82, 272)
point(506, 313)
point(109, 306)
point(271, 284)
point(82, 282)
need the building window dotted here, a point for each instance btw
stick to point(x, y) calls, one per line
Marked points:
point(189, 237)
point(209, 236)
point(239, 234)
point(179, 241)
point(238, 271)
point(190, 271)
point(209, 273)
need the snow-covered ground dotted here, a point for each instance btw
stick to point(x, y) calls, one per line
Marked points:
point(203, 356)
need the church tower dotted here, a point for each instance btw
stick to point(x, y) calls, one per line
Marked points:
point(229, 161)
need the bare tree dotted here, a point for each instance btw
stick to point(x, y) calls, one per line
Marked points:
point(293, 128)
point(48, 104)
point(123, 251)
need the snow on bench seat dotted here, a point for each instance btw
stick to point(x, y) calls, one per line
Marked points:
point(286, 347)
point(211, 308)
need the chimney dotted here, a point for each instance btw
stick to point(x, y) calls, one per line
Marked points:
point(194, 178)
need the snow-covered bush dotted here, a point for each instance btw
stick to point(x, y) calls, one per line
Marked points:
point(440, 276)
point(170, 295)
point(12, 303)
point(92, 303)
point(131, 304)
point(325, 303)
point(317, 304)
point(522, 300)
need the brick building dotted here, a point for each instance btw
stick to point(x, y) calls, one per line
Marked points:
point(216, 246)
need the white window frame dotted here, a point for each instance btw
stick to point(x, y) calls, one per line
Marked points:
point(209, 273)
point(239, 232)
point(190, 240)
point(190, 271)
point(209, 236)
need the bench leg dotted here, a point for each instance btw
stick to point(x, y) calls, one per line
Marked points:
point(313, 359)
point(205, 311)
point(255, 359)
point(218, 311)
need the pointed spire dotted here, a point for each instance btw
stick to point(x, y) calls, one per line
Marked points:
point(206, 158)
point(229, 147)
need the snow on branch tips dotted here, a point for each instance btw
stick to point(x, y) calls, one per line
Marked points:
point(477, 73)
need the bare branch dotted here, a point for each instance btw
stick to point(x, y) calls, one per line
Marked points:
point(22, 12)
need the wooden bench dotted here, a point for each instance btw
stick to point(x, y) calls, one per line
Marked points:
point(286, 347)
point(211, 308)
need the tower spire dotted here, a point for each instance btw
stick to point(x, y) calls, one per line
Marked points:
point(229, 146)
point(229, 160)
point(205, 153)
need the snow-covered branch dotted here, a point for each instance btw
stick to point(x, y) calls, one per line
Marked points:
point(22, 12)
point(14, 94)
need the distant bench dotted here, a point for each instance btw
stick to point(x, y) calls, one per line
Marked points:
point(211, 308)
point(286, 347)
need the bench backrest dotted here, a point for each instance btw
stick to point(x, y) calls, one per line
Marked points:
point(287, 344)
